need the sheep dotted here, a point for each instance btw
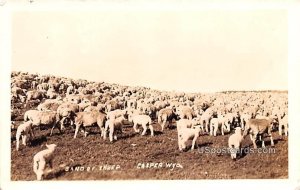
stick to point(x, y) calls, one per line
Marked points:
point(258, 127)
point(113, 124)
point(47, 118)
point(185, 112)
point(165, 117)
point(283, 122)
point(184, 134)
point(234, 142)
point(24, 131)
point(42, 158)
point(48, 106)
point(143, 120)
point(244, 118)
point(35, 95)
point(205, 118)
point(84, 119)
point(215, 123)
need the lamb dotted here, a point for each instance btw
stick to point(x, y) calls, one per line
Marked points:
point(143, 120)
point(184, 134)
point(24, 131)
point(113, 124)
point(234, 142)
point(41, 159)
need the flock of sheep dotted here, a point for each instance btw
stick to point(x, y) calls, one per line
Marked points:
point(65, 103)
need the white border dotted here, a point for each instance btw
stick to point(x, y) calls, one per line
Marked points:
point(294, 95)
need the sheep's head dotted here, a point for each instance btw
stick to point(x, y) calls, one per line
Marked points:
point(238, 130)
point(51, 146)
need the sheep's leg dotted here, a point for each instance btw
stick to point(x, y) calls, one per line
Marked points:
point(183, 146)
point(272, 142)
point(62, 126)
point(251, 137)
point(76, 130)
point(135, 128)
point(211, 129)
point(40, 171)
point(119, 131)
point(222, 129)
point(232, 152)
point(111, 132)
point(263, 144)
point(179, 142)
point(228, 127)
point(18, 142)
point(144, 130)
point(105, 130)
point(206, 126)
point(85, 132)
point(151, 130)
point(242, 123)
point(24, 139)
point(164, 119)
point(163, 125)
point(194, 142)
point(286, 130)
point(216, 129)
point(101, 130)
point(280, 128)
point(54, 125)
point(253, 141)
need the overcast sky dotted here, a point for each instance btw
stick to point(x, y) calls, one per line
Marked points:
point(193, 51)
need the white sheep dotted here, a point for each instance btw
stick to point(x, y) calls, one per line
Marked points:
point(41, 159)
point(215, 123)
point(234, 142)
point(143, 120)
point(184, 134)
point(113, 124)
point(26, 132)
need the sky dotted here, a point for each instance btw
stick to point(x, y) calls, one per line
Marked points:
point(191, 51)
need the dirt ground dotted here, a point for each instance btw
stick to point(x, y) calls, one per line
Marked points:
point(92, 158)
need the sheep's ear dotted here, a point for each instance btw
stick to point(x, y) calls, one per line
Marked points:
point(47, 145)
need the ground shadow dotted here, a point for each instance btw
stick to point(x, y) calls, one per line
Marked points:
point(128, 135)
point(38, 141)
point(157, 133)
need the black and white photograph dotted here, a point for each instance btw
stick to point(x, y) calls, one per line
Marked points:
point(149, 93)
